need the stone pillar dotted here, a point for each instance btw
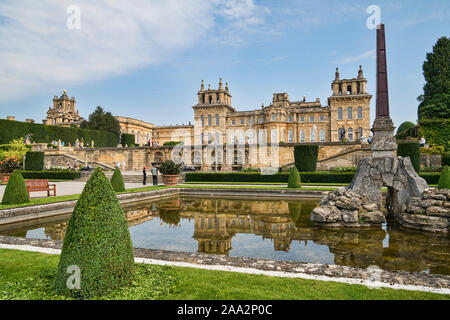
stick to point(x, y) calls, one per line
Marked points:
point(384, 142)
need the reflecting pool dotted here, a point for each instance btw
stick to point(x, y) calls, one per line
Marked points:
point(277, 229)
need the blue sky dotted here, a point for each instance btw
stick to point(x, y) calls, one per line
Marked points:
point(145, 59)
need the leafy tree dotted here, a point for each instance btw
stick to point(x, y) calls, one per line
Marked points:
point(103, 121)
point(16, 190)
point(435, 101)
point(16, 149)
point(98, 242)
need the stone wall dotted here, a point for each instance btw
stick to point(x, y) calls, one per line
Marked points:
point(330, 155)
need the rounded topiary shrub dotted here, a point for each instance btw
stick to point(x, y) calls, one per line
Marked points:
point(444, 180)
point(16, 190)
point(34, 161)
point(294, 179)
point(97, 243)
point(117, 181)
point(405, 126)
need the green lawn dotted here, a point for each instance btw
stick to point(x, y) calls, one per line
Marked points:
point(18, 272)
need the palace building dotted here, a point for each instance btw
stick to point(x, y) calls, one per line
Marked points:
point(346, 117)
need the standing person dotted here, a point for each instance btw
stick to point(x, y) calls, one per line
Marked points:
point(118, 164)
point(155, 176)
point(123, 164)
point(145, 176)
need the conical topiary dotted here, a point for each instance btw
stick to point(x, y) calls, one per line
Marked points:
point(16, 190)
point(444, 180)
point(294, 179)
point(97, 243)
point(117, 181)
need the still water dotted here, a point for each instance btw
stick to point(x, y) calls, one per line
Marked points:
point(278, 230)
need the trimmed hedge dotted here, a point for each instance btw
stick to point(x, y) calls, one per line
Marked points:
point(51, 175)
point(34, 161)
point(10, 130)
point(446, 159)
point(444, 180)
point(16, 190)
point(306, 157)
point(411, 150)
point(98, 242)
point(306, 177)
point(127, 139)
point(117, 181)
point(437, 132)
point(405, 126)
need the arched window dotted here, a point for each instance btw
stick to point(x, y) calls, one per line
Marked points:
point(350, 134)
point(349, 89)
point(217, 98)
point(302, 135)
point(210, 99)
point(322, 135)
point(290, 136)
point(360, 113)
point(340, 114)
point(350, 113)
point(202, 119)
point(313, 134)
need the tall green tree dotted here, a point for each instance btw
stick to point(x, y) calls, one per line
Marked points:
point(435, 101)
point(103, 121)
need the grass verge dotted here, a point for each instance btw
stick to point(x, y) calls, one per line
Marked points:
point(28, 275)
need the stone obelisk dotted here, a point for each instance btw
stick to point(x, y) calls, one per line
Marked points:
point(384, 142)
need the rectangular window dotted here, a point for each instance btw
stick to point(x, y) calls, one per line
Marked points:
point(260, 120)
point(202, 119)
point(217, 119)
point(312, 119)
point(360, 113)
point(242, 122)
point(209, 120)
point(350, 113)
point(274, 116)
point(291, 119)
point(290, 136)
point(322, 118)
point(233, 122)
point(251, 121)
point(302, 135)
point(340, 114)
point(302, 119)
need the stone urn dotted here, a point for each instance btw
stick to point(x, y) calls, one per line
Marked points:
point(170, 180)
point(4, 177)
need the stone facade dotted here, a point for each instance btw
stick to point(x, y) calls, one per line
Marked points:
point(347, 116)
point(63, 112)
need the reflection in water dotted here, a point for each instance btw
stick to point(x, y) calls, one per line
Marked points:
point(215, 224)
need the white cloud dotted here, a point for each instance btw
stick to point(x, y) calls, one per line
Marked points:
point(37, 50)
point(371, 54)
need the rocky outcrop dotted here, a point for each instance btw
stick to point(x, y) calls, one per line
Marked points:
point(396, 173)
point(345, 208)
point(429, 212)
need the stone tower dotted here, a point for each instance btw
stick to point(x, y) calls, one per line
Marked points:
point(211, 112)
point(63, 112)
point(349, 107)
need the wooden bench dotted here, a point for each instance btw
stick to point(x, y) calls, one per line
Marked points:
point(40, 185)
